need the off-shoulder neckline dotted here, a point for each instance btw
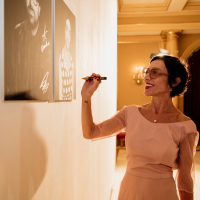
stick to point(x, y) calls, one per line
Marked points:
point(137, 108)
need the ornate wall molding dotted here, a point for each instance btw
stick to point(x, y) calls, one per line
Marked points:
point(190, 50)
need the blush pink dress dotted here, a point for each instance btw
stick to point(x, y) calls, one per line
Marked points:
point(153, 151)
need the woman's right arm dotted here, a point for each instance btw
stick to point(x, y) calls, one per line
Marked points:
point(88, 89)
point(86, 117)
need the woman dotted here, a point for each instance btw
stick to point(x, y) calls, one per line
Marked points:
point(159, 137)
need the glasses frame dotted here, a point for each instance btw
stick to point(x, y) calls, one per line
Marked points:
point(145, 71)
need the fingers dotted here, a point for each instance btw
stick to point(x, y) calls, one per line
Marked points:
point(92, 75)
point(95, 80)
point(97, 77)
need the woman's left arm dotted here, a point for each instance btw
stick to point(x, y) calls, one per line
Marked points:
point(186, 172)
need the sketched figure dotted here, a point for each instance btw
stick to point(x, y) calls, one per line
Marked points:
point(32, 55)
point(66, 67)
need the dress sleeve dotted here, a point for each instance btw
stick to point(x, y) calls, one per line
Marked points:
point(110, 127)
point(186, 173)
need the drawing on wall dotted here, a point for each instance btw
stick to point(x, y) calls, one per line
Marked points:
point(28, 50)
point(65, 53)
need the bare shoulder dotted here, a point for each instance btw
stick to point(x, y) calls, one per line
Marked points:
point(182, 117)
point(143, 108)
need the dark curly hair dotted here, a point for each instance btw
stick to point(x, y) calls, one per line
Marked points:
point(176, 68)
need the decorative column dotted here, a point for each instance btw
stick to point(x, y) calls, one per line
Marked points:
point(170, 43)
point(163, 42)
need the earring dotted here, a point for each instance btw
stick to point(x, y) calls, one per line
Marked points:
point(170, 89)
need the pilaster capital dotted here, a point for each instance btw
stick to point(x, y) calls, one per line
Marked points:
point(170, 33)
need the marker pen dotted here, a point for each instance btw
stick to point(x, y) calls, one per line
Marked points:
point(91, 78)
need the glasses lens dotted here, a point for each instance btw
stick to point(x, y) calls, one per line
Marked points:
point(144, 72)
point(154, 73)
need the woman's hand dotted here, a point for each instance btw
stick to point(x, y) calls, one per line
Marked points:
point(90, 86)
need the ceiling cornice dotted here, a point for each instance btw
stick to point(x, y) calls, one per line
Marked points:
point(159, 14)
point(146, 18)
point(192, 6)
point(157, 27)
point(138, 39)
point(150, 7)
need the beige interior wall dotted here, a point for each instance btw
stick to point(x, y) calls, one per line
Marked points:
point(43, 155)
point(130, 56)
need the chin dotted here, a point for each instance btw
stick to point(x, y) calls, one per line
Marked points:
point(33, 21)
point(146, 93)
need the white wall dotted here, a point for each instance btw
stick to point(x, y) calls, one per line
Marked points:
point(43, 155)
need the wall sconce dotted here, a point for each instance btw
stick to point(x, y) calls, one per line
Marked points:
point(138, 75)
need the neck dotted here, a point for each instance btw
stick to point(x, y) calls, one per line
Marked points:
point(34, 29)
point(161, 104)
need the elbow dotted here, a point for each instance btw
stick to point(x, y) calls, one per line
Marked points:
point(87, 132)
point(87, 135)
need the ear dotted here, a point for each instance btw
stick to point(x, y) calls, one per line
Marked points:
point(176, 82)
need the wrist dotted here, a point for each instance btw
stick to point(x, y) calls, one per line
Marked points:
point(86, 98)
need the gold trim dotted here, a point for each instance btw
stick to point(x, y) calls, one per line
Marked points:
point(165, 33)
point(160, 14)
point(139, 39)
point(145, 7)
point(190, 49)
point(120, 3)
point(192, 6)
point(157, 27)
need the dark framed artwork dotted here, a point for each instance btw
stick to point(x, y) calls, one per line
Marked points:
point(28, 61)
point(65, 53)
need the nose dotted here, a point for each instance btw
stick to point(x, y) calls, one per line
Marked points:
point(147, 76)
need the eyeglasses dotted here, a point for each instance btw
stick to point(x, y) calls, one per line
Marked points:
point(153, 73)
